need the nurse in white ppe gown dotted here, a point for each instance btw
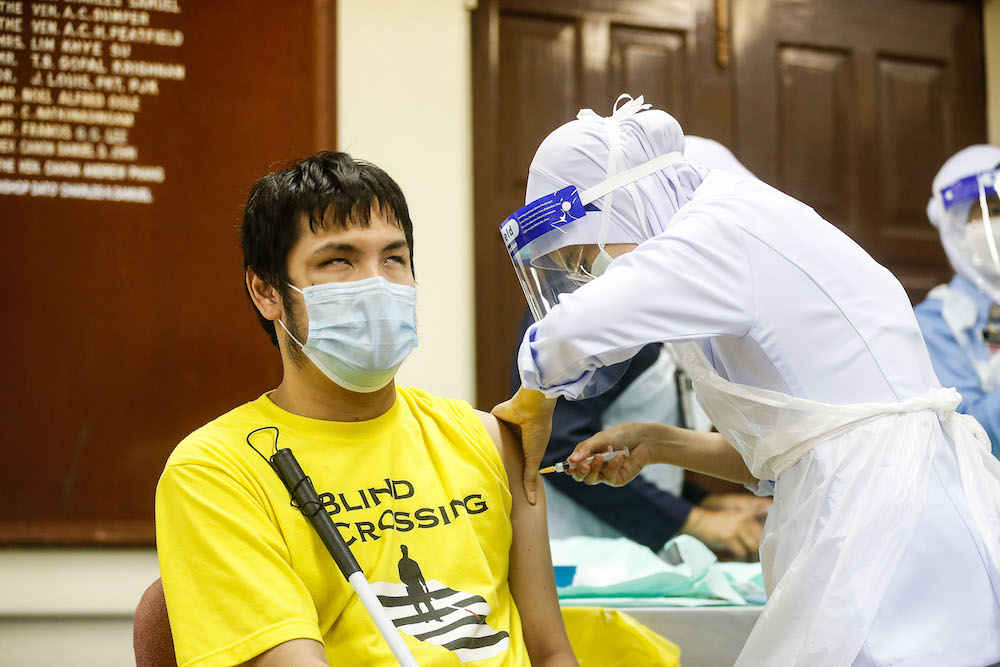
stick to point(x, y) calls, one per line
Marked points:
point(883, 543)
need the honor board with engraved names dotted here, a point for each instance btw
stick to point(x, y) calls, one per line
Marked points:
point(130, 134)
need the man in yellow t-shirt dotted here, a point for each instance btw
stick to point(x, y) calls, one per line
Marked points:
point(426, 491)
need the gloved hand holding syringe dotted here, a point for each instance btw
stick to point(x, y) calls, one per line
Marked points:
point(563, 466)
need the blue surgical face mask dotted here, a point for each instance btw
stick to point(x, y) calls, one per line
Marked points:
point(359, 332)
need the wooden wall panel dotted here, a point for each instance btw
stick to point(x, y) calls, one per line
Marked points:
point(912, 104)
point(907, 93)
point(535, 82)
point(127, 323)
point(545, 77)
point(814, 131)
point(653, 63)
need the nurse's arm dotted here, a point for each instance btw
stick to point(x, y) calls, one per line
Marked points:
point(707, 453)
point(531, 577)
point(689, 284)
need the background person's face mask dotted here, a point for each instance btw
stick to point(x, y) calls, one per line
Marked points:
point(976, 243)
point(359, 332)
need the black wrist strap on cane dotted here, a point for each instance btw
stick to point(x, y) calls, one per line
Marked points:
point(306, 500)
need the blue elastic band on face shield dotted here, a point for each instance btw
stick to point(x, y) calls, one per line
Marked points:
point(544, 215)
point(968, 188)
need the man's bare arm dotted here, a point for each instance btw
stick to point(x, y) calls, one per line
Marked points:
point(293, 653)
point(532, 580)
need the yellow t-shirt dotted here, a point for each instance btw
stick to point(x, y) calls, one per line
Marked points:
point(243, 571)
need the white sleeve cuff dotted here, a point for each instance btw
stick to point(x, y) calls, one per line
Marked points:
point(531, 375)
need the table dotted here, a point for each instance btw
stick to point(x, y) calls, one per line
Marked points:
point(707, 636)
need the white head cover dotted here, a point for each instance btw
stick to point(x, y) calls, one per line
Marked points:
point(710, 153)
point(966, 162)
point(578, 153)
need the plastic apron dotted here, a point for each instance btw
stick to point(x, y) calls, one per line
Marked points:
point(829, 552)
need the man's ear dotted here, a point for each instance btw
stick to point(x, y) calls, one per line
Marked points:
point(264, 296)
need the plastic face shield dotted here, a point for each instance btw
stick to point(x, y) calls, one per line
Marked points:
point(973, 205)
point(534, 235)
point(551, 254)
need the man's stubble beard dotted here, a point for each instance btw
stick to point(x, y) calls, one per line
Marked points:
point(295, 353)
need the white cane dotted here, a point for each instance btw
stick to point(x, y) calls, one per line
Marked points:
point(304, 494)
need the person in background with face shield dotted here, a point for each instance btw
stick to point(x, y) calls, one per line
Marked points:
point(882, 546)
point(416, 483)
point(660, 503)
point(961, 320)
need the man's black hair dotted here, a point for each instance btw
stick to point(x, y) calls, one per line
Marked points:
point(328, 189)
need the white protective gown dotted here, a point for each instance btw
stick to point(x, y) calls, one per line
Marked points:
point(873, 552)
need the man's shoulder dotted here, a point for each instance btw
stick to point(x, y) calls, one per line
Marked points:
point(217, 441)
point(421, 401)
point(475, 427)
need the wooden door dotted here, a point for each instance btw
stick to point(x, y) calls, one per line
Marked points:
point(849, 105)
point(535, 64)
point(852, 106)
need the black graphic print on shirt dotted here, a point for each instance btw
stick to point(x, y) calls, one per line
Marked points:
point(432, 612)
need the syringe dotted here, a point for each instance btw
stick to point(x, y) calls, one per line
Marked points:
point(563, 466)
